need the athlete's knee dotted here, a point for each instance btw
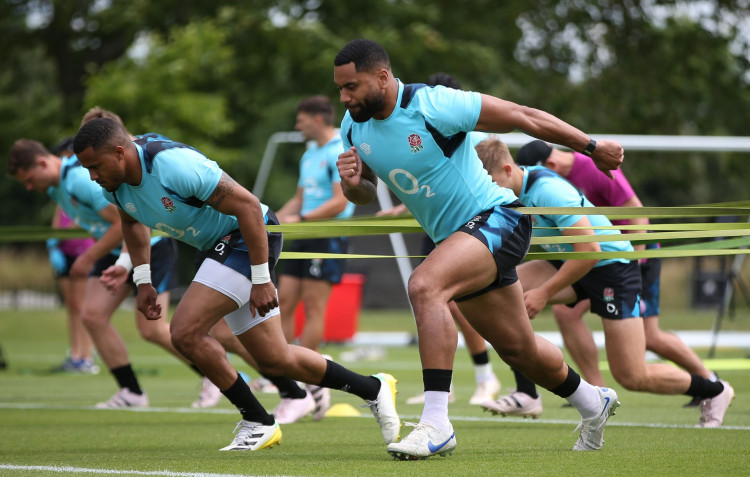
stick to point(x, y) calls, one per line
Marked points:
point(630, 380)
point(153, 334)
point(422, 288)
point(514, 355)
point(92, 320)
point(565, 316)
point(184, 338)
point(274, 364)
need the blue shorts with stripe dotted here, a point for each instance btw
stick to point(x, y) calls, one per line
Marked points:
point(164, 265)
point(613, 289)
point(326, 269)
point(507, 234)
point(650, 283)
point(231, 250)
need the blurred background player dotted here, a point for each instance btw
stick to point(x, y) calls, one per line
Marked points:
point(69, 185)
point(62, 254)
point(581, 171)
point(318, 196)
point(611, 285)
point(487, 384)
point(210, 395)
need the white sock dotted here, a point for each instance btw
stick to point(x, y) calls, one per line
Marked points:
point(586, 400)
point(435, 412)
point(483, 372)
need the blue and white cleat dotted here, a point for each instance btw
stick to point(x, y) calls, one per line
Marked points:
point(592, 430)
point(423, 442)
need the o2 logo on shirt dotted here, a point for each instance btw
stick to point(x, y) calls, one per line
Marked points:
point(415, 185)
point(176, 233)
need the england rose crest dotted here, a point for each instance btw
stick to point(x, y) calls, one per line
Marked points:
point(415, 143)
point(168, 204)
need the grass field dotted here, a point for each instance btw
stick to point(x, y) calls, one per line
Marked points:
point(48, 426)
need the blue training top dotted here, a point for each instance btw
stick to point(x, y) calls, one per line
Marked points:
point(545, 188)
point(177, 179)
point(318, 173)
point(422, 153)
point(80, 197)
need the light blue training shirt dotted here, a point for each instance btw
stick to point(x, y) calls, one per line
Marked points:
point(422, 154)
point(177, 179)
point(318, 173)
point(545, 188)
point(80, 197)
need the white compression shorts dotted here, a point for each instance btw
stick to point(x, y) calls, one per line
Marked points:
point(237, 287)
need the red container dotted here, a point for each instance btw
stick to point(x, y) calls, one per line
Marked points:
point(342, 310)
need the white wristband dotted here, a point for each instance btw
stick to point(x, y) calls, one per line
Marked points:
point(259, 274)
point(124, 261)
point(142, 274)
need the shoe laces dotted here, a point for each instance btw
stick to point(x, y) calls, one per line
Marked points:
point(243, 429)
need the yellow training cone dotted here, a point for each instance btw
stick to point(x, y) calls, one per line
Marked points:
point(342, 410)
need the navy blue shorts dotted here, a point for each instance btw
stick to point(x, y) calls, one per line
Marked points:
point(507, 233)
point(164, 266)
point(613, 289)
point(650, 284)
point(328, 269)
point(231, 250)
point(65, 272)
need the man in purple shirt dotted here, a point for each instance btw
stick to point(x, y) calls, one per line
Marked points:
point(604, 192)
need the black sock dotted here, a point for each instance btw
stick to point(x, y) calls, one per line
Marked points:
point(338, 377)
point(288, 388)
point(126, 378)
point(524, 384)
point(569, 386)
point(702, 388)
point(240, 395)
point(481, 358)
point(437, 379)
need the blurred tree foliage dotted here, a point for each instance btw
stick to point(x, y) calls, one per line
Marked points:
point(223, 76)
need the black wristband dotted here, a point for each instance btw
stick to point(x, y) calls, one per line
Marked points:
point(590, 148)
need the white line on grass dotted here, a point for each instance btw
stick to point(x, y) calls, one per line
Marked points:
point(83, 470)
point(514, 420)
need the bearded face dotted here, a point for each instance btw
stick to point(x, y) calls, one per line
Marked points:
point(367, 107)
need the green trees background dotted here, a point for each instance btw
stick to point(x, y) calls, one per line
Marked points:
point(224, 75)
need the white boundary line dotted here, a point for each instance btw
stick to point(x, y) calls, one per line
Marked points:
point(514, 420)
point(84, 470)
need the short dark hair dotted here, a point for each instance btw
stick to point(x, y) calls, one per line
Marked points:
point(23, 155)
point(367, 55)
point(534, 153)
point(443, 79)
point(318, 105)
point(97, 133)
